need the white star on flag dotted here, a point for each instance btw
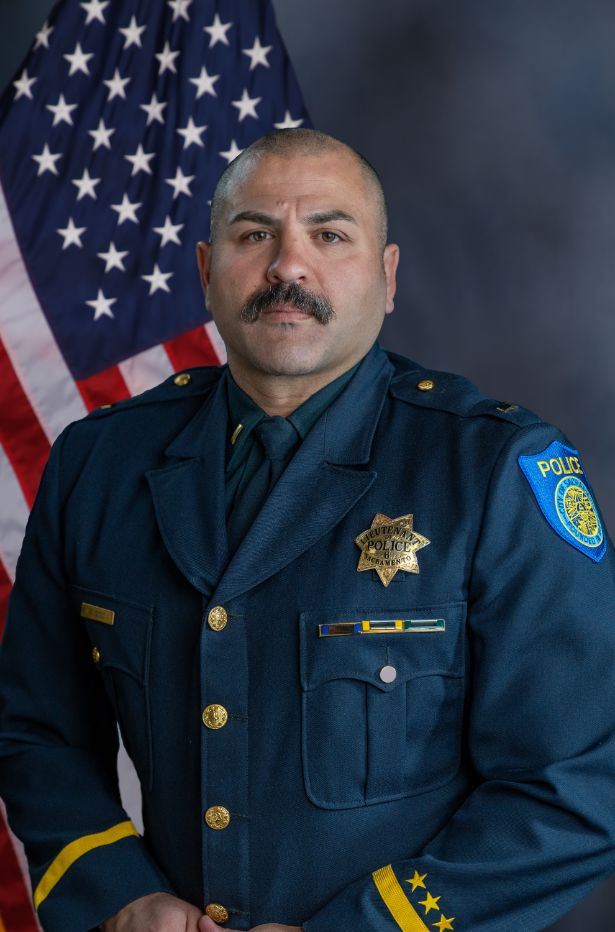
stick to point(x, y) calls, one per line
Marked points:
point(62, 111)
point(258, 54)
point(127, 210)
point(217, 31)
point(101, 135)
point(47, 161)
point(180, 8)
point(192, 134)
point(232, 152)
point(71, 234)
point(23, 85)
point(169, 232)
point(101, 305)
point(140, 161)
point(78, 60)
point(180, 184)
point(166, 59)
point(132, 33)
point(42, 37)
point(157, 280)
point(288, 122)
point(94, 9)
point(113, 258)
point(154, 110)
point(116, 85)
point(205, 83)
point(86, 185)
point(247, 106)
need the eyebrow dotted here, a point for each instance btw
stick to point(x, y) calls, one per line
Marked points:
point(324, 216)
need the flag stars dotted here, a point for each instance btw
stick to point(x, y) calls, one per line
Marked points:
point(86, 185)
point(101, 305)
point(192, 134)
point(217, 31)
point(157, 280)
point(180, 184)
point(117, 86)
point(247, 106)
point(71, 234)
point(232, 152)
point(42, 36)
point(417, 881)
point(140, 161)
point(127, 210)
point(23, 85)
point(94, 10)
point(47, 161)
point(169, 232)
point(154, 110)
point(113, 258)
point(288, 122)
point(258, 54)
point(101, 135)
point(204, 83)
point(132, 33)
point(78, 60)
point(180, 9)
point(62, 111)
point(430, 902)
point(444, 923)
point(166, 60)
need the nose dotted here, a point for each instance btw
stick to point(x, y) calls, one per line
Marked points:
point(288, 263)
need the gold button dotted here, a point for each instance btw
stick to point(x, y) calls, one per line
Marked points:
point(217, 912)
point(217, 618)
point(96, 655)
point(217, 817)
point(425, 385)
point(215, 716)
point(182, 379)
point(102, 407)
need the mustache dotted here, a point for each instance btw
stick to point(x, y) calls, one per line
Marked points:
point(292, 294)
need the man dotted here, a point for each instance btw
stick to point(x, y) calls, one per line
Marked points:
point(355, 619)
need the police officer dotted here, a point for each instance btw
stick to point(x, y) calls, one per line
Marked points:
point(354, 619)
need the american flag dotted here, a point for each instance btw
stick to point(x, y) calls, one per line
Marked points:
point(112, 136)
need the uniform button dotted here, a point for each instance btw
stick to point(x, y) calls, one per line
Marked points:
point(182, 379)
point(217, 912)
point(217, 618)
point(425, 385)
point(215, 716)
point(103, 407)
point(388, 674)
point(217, 817)
point(96, 655)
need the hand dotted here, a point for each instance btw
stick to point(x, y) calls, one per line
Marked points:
point(158, 912)
point(208, 925)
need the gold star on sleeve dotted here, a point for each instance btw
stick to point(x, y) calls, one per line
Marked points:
point(444, 922)
point(417, 881)
point(430, 902)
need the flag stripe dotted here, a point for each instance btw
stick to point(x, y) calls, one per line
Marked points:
point(216, 340)
point(14, 511)
point(29, 342)
point(146, 369)
point(15, 903)
point(193, 348)
point(5, 590)
point(103, 388)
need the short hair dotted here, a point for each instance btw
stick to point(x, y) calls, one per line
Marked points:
point(286, 142)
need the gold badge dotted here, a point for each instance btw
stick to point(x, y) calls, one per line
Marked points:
point(390, 545)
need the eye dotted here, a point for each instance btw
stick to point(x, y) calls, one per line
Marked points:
point(257, 236)
point(328, 236)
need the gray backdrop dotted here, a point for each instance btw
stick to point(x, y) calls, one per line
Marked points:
point(493, 127)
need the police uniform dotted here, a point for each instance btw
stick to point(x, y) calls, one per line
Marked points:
point(391, 707)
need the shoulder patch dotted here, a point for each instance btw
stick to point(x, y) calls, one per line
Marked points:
point(558, 482)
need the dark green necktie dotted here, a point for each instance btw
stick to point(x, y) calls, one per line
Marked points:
point(278, 439)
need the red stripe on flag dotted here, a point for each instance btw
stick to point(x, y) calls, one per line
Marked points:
point(21, 434)
point(193, 348)
point(103, 388)
point(5, 591)
point(15, 905)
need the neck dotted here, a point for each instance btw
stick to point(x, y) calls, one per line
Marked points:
point(280, 395)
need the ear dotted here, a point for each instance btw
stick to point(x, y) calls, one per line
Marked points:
point(390, 260)
point(203, 256)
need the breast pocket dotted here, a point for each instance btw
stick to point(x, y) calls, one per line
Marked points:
point(382, 710)
point(119, 632)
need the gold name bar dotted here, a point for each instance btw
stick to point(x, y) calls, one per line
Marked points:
point(96, 613)
point(382, 626)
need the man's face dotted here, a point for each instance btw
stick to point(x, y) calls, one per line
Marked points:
point(291, 225)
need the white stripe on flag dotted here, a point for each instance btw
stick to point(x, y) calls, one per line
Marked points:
point(14, 515)
point(216, 341)
point(146, 369)
point(29, 342)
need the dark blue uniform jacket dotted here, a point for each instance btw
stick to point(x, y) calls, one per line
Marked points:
point(474, 791)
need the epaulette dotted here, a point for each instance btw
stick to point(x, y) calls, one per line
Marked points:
point(187, 383)
point(445, 391)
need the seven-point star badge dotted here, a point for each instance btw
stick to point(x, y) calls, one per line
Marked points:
point(390, 545)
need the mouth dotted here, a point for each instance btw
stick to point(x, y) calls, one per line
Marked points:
point(284, 313)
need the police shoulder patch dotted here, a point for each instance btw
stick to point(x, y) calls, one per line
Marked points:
point(558, 481)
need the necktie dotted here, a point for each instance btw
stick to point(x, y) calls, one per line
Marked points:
point(277, 438)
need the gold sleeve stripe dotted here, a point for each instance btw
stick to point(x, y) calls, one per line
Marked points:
point(72, 852)
point(2, 925)
point(397, 902)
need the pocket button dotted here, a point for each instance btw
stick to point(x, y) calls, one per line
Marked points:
point(388, 674)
